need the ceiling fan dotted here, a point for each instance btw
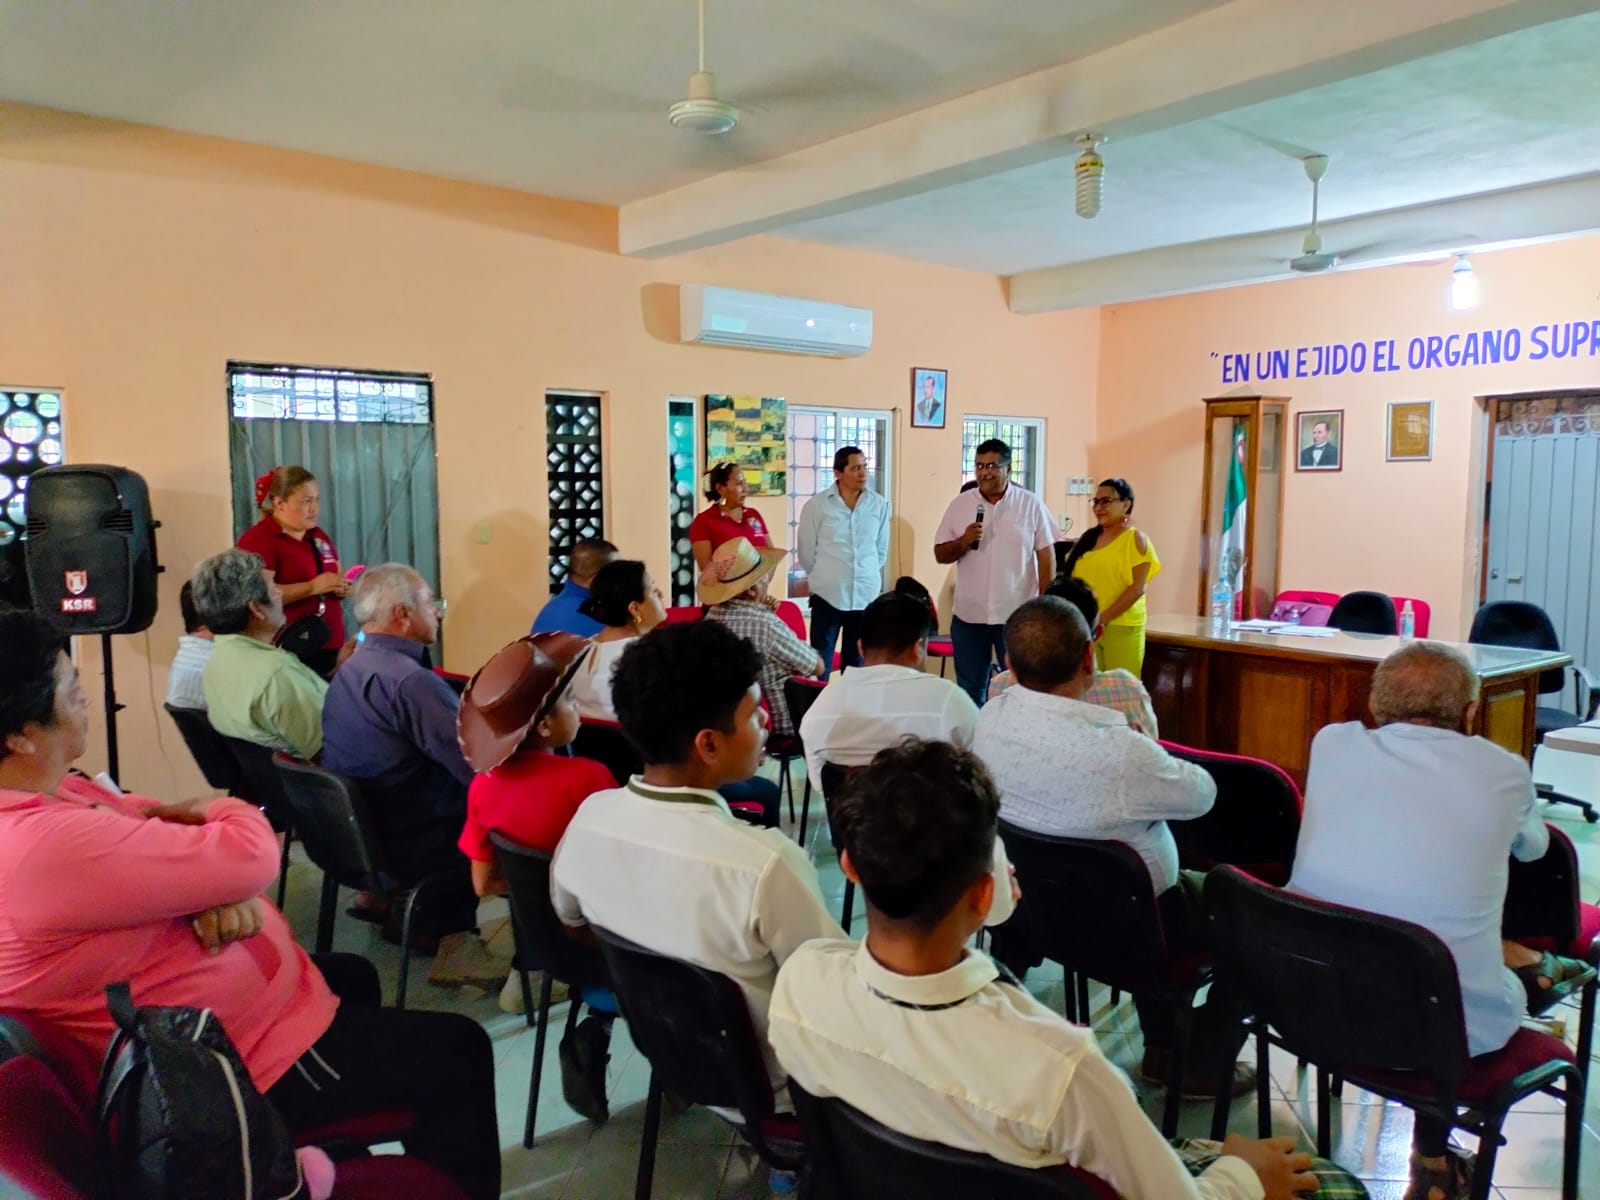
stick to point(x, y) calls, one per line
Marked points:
point(702, 111)
point(1312, 258)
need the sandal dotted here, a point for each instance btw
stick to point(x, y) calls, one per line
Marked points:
point(1453, 1181)
point(1552, 967)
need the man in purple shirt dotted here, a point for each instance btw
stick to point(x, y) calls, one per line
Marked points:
point(560, 613)
point(390, 723)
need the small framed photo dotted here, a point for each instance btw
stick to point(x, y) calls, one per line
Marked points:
point(1410, 431)
point(1319, 440)
point(929, 398)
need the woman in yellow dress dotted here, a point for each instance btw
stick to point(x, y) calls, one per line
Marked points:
point(1117, 561)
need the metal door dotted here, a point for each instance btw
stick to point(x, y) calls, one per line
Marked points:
point(1544, 516)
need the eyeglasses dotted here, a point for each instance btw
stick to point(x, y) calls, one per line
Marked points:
point(1102, 501)
point(440, 605)
point(980, 468)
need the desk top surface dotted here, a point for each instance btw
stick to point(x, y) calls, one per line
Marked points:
point(1489, 661)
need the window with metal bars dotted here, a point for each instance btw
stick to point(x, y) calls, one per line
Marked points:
point(30, 438)
point(683, 497)
point(1025, 436)
point(814, 435)
point(575, 465)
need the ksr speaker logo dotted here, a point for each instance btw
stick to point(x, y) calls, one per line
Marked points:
point(75, 601)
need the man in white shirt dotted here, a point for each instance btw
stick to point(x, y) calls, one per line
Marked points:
point(891, 698)
point(185, 678)
point(842, 545)
point(1002, 540)
point(929, 1037)
point(1072, 769)
point(1416, 820)
point(662, 862)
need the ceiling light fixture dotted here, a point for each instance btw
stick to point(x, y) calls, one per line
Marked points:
point(1463, 285)
point(1089, 172)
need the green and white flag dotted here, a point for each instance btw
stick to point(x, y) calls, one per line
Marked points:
point(1233, 515)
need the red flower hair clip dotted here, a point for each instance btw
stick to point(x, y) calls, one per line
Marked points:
point(263, 485)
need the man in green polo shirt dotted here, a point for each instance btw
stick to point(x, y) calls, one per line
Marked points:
point(254, 690)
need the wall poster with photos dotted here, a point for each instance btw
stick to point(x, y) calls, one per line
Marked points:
point(753, 433)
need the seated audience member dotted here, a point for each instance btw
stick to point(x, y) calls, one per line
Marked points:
point(176, 909)
point(930, 1037)
point(734, 585)
point(185, 678)
point(516, 711)
point(1072, 769)
point(561, 613)
point(625, 600)
point(1416, 819)
point(661, 861)
point(1117, 688)
point(888, 698)
point(390, 724)
point(253, 690)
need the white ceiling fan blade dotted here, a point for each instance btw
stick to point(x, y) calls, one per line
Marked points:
point(1405, 247)
point(1288, 149)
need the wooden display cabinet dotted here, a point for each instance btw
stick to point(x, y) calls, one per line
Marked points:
point(1263, 421)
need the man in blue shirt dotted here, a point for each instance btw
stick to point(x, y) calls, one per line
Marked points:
point(560, 613)
point(390, 723)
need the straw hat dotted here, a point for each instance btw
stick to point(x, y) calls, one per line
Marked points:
point(735, 567)
point(513, 692)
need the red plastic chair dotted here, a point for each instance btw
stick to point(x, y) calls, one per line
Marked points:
point(789, 613)
point(687, 612)
point(1419, 609)
point(1294, 597)
point(940, 645)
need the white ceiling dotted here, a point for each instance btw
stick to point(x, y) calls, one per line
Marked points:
point(560, 97)
point(933, 129)
point(1513, 110)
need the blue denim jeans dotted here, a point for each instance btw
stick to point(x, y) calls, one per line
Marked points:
point(976, 646)
point(827, 622)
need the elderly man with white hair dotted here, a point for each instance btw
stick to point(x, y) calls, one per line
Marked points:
point(1417, 819)
point(390, 723)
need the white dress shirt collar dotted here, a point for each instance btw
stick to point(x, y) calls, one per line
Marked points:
point(926, 992)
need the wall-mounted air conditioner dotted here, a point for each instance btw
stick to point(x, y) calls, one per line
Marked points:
point(724, 317)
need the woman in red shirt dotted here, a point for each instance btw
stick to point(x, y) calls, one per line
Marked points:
point(727, 518)
point(300, 555)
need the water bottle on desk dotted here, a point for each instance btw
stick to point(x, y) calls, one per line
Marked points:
point(1408, 622)
point(1294, 615)
point(1221, 608)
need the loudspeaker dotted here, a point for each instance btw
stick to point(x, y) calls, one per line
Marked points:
point(92, 549)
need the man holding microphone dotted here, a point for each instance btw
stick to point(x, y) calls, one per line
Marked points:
point(842, 545)
point(1002, 540)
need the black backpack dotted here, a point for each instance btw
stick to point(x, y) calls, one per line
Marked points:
point(181, 1115)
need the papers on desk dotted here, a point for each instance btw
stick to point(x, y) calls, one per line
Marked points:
point(1260, 625)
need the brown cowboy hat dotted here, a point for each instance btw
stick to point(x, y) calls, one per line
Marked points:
point(735, 567)
point(513, 692)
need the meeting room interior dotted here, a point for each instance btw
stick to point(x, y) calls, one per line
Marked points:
point(339, 339)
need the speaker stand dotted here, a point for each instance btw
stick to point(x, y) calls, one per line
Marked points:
point(112, 709)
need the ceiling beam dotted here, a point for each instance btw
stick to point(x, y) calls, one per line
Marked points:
point(1493, 220)
point(1239, 53)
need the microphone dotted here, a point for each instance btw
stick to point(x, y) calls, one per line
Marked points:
point(979, 542)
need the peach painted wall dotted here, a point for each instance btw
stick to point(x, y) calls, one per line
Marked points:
point(1405, 528)
point(138, 262)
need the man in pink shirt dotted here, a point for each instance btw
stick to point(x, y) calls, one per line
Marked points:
point(98, 887)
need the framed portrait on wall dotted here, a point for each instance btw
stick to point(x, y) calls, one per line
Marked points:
point(1409, 436)
point(1319, 440)
point(929, 398)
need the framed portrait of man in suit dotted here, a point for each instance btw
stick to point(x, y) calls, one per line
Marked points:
point(929, 398)
point(1319, 441)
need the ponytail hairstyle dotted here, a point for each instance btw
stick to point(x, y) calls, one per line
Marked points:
point(279, 484)
point(615, 586)
point(1086, 543)
point(718, 476)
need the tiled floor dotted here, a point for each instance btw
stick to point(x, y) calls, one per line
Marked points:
point(700, 1158)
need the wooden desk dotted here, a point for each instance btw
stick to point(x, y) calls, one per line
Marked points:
point(1266, 695)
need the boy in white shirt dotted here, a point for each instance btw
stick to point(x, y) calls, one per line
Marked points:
point(928, 1037)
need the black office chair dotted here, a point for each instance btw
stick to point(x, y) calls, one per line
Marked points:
point(1091, 906)
point(206, 747)
point(604, 742)
point(694, 1028)
point(338, 834)
point(850, 1156)
point(800, 693)
point(1528, 627)
point(1376, 1002)
point(1364, 612)
point(834, 779)
point(258, 783)
point(543, 944)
